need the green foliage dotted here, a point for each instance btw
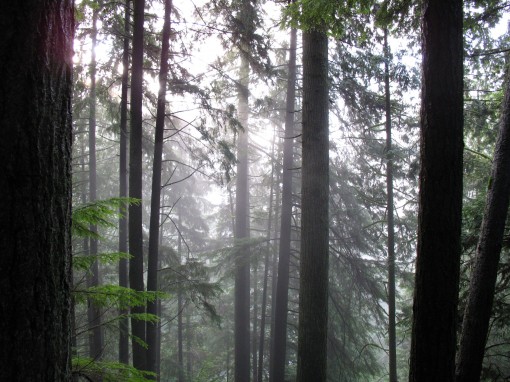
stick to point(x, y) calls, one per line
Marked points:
point(192, 279)
point(109, 295)
point(92, 369)
point(83, 263)
point(330, 16)
point(98, 213)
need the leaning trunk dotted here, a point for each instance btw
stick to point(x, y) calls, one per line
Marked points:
point(152, 272)
point(475, 325)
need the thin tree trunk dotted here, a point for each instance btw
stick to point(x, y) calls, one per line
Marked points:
point(269, 250)
point(475, 326)
point(123, 222)
point(274, 266)
point(135, 183)
point(189, 358)
point(392, 342)
point(435, 318)
point(35, 189)
point(278, 353)
point(152, 273)
point(313, 292)
point(254, 341)
point(93, 312)
point(242, 273)
point(180, 308)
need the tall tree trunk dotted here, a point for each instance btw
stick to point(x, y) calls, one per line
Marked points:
point(313, 292)
point(475, 326)
point(180, 357)
point(180, 309)
point(254, 340)
point(135, 183)
point(36, 48)
point(269, 250)
point(440, 199)
point(152, 273)
point(242, 273)
point(392, 341)
point(93, 311)
point(123, 222)
point(189, 358)
point(278, 353)
point(274, 263)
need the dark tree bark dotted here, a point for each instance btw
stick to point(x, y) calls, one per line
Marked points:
point(278, 353)
point(93, 312)
point(392, 338)
point(123, 223)
point(475, 326)
point(135, 182)
point(313, 292)
point(152, 271)
point(440, 198)
point(35, 189)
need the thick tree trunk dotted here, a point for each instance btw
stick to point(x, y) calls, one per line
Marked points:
point(392, 341)
point(123, 222)
point(278, 353)
point(440, 199)
point(93, 312)
point(152, 272)
point(313, 292)
point(35, 189)
point(135, 182)
point(475, 326)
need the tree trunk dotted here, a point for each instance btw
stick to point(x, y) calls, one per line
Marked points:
point(242, 272)
point(135, 182)
point(269, 250)
point(475, 326)
point(180, 312)
point(313, 292)
point(277, 373)
point(152, 273)
point(440, 200)
point(274, 265)
point(392, 341)
point(123, 222)
point(254, 339)
point(36, 48)
point(189, 358)
point(93, 312)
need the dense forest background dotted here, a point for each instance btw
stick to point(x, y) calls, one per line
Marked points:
point(224, 83)
point(245, 190)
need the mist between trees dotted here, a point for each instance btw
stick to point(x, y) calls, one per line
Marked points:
point(247, 190)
